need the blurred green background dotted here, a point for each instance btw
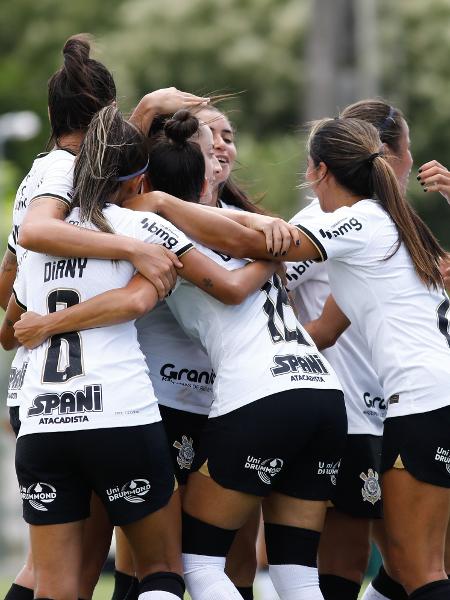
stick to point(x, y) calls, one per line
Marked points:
point(288, 60)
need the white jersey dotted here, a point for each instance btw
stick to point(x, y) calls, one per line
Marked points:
point(179, 368)
point(256, 348)
point(405, 324)
point(95, 378)
point(350, 357)
point(50, 175)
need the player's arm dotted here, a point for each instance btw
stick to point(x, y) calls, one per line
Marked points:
point(165, 101)
point(211, 228)
point(326, 330)
point(110, 308)
point(13, 314)
point(44, 230)
point(230, 287)
point(8, 270)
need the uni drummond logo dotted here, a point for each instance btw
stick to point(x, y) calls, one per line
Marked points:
point(266, 469)
point(131, 491)
point(38, 495)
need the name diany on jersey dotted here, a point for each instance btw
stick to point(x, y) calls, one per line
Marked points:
point(307, 367)
point(341, 229)
point(68, 406)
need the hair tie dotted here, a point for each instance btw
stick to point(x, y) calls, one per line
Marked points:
point(127, 177)
point(372, 157)
point(390, 117)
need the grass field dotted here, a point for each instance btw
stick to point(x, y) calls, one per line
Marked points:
point(103, 591)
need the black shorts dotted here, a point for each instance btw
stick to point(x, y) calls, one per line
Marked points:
point(419, 443)
point(129, 468)
point(183, 432)
point(289, 442)
point(358, 492)
point(14, 419)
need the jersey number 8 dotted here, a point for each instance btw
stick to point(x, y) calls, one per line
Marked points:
point(64, 354)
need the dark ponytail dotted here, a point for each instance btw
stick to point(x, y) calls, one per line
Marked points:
point(112, 151)
point(352, 151)
point(175, 163)
point(78, 90)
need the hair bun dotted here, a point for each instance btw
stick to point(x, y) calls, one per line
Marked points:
point(181, 126)
point(76, 50)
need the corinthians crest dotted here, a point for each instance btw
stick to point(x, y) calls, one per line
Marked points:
point(186, 452)
point(371, 490)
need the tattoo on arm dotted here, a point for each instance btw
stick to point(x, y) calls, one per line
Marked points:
point(9, 263)
point(208, 283)
point(9, 322)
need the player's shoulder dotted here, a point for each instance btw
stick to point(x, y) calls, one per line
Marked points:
point(310, 211)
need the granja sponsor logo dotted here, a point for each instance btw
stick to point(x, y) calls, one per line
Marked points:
point(169, 372)
point(341, 228)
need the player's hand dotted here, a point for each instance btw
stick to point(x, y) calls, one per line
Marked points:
point(279, 234)
point(30, 330)
point(445, 270)
point(434, 177)
point(165, 101)
point(158, 265)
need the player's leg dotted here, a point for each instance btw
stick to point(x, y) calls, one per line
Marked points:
point(212, 515)
point(344, 551)
point(417, 501)
point(241, 563)
point(126, 583)
point(344, 548)
point(292, 531)
point(137, 488)
point(383, 586)
point(57, 558)
point(96, 543)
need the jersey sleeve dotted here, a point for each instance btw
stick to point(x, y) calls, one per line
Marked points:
point(300, 272)
point(339, 234)
point(12, 239)
point(57, 181)
point(154, 229)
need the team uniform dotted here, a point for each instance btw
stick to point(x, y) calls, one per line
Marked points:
point(357, 491)
point(277, 420)
point(406, 326)
point(50, 175)
point(89, 416)
point(182, 378)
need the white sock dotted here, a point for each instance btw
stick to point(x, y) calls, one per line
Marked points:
point(206, 580)
point(372, 594)
point(157, 595)
point(264, 586)
point(296, 582)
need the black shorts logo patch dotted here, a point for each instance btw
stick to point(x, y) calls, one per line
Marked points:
point(371, 491)
point(131, 491)
point(266, 469)
point(186, 452)
point(38, 494)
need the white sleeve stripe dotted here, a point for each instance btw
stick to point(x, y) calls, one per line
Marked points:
point(49, 195)
point(18, 302)
point(312, 238)
point(184, 249)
